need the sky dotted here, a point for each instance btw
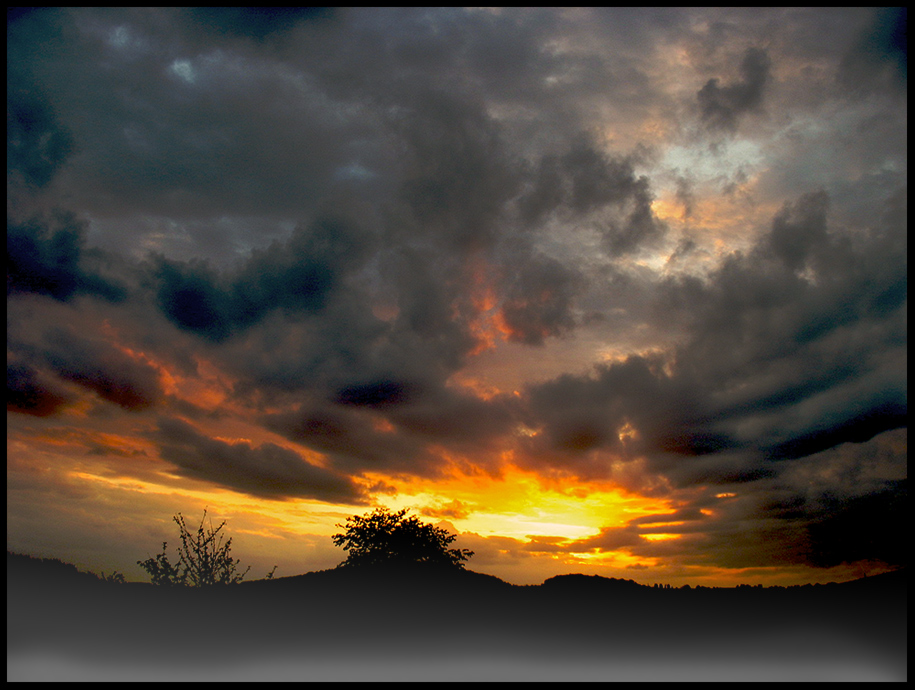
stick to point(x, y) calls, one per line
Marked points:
point(619, 292)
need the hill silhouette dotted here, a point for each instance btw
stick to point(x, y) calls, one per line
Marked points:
point(349, 620)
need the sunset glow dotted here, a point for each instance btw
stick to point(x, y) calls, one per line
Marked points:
point(621, 292)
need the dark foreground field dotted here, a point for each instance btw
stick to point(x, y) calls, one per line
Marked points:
point(421, 624)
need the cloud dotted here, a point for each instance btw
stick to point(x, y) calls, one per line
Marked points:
point(267, 470)
point(255, 22)
point(539, 301)
point(353, 442)
point(374, 429)
point(583, 180)
point(772, 368)
point(98, 366)
point(296, 276)
point(50, 258)
point(799, 228)
point(28, 392)
point(377, 394)
point(37, 144)
point(879, 57)
point(454, 510)
point(455, 175)
point(721, 107)
point(343, 227)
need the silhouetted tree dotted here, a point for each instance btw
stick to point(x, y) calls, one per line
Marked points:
point(385, 537)
point(114, 578)
point(203, 559)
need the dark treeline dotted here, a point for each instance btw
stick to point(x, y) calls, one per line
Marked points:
point(422, 611)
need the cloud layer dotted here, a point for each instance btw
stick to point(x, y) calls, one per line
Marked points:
point(665, 250)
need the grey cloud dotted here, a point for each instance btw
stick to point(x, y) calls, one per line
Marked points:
point(799, 228)
point(879, 57)
point(450, 143)
point(100, 367)
point(29, 392)
point(583, 177)
point(391, 426)
point(37, 145)
point(457, 420)
point(296, 276)
point(376, 394)
point(777, 366)
point(581, 418)
point(352, 440)
point(685, 195)
point(596, 180)
point(266, 470)
point(50, 257)
point(585, 180)
point(255, 22)
point(177, 120)
point(539, 300)
point(721, 107)
point(456, 174)
point(640, 226)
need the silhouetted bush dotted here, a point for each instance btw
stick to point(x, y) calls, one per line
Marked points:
point(203, 559)
point(383, 537)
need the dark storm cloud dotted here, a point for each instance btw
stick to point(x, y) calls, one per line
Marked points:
point(298, 275)
point(389, 426)
point(858, 425)
point(295, 276)
point(190, 297)
point(28, 392)
point(98, 366)
point(255, 22)
point(771, 523)
point(781, 409)
point(456, 419)
point(171, 121)
point(333, 213)
point(782, 360)
point(585, 179)
point(36, 143)
point(456, 175)
point(50, 258)
point(352, 440)
point(721, 107)
point(789, 317)
point(377, 394)
point(266, 470)
point(799, 229)
point(539, 299)
point(880, 55)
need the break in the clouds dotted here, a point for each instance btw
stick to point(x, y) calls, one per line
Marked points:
point(308, 254)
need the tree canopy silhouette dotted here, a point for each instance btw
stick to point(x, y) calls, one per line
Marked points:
point(383, 537)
